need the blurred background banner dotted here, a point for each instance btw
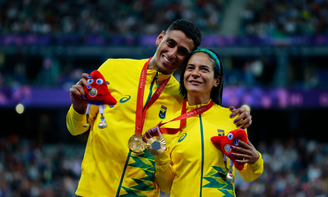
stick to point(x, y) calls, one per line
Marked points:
point(274, 53)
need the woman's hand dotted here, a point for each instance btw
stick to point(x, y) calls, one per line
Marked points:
point(246, 153)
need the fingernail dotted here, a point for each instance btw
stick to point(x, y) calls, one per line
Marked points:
point(231, 153)
point(81, 97)
point(238, 124)
point(231, 146)
point(235, 121)
point(231, 115)
point(89, 76)
point(232, 108)
point(237, 140)
point(242, 128)
point(89, 86)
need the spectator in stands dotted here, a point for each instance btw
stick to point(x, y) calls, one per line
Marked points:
point(284, 18)
point(105, 17)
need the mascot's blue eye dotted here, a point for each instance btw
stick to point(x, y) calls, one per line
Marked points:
point(235, 142)
point(230, 136)
point(90, 81)
point(99, 81)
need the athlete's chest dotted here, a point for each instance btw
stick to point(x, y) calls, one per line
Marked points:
point(194, 141)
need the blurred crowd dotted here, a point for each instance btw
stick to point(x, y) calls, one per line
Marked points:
point(83, 17)
point(21, 69)
point(293, 167)
point(105, 17)
point(266, 17)
point(28, 168)
point(127, 17)
point(52, 71)
point(281, 18)
point(301, 72)
point(31, 169)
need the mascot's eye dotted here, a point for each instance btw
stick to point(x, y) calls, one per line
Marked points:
point(99, 81)
point(90, 81)
point(230, 136)
point(235, 142)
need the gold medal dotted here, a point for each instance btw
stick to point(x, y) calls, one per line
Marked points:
point(156, 145)
point(136, 144)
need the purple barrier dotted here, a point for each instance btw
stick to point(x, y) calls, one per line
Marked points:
point(258, 98)
point(149, 40)
point(34, 97)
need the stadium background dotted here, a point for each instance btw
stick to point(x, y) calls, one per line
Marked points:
point(275, 58)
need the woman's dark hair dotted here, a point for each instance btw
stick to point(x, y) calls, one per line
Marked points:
point(216, 93)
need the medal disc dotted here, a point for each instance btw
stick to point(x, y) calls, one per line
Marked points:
point(136, 144)
point(229, 177)
point(156, 145)
point(227, 148)
point(93, 92)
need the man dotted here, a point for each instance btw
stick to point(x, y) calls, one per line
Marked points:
point(146, 92)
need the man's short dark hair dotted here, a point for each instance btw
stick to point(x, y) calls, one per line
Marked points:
point(188, 28)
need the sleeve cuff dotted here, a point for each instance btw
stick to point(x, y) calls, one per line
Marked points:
point(255, 166)
point(75, 115)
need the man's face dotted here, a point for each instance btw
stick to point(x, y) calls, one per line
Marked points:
point(172, 51)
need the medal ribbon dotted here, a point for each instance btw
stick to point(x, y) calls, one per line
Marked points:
point(141, 114)
point(184, 116)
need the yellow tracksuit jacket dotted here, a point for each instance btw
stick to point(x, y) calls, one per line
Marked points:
point(192, 166)
point(109, 168)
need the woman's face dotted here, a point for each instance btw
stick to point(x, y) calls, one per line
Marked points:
point(199, 75)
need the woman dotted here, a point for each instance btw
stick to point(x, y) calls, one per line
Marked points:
point(192, 166)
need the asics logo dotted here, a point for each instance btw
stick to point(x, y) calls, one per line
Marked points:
point(183, 136)
point(125, 98)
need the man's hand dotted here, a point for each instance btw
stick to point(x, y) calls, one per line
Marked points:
point(244, 120)
point(76, 92)
point(247, 153)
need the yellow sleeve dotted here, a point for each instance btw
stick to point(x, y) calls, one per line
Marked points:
point(75, 121)
point(164, 173)
point(250, 172)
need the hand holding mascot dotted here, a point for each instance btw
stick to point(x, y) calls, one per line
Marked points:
point(98, 95)
point(225, 144)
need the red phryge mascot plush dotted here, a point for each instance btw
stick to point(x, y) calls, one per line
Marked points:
point(98, 95)
point(225, 142)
